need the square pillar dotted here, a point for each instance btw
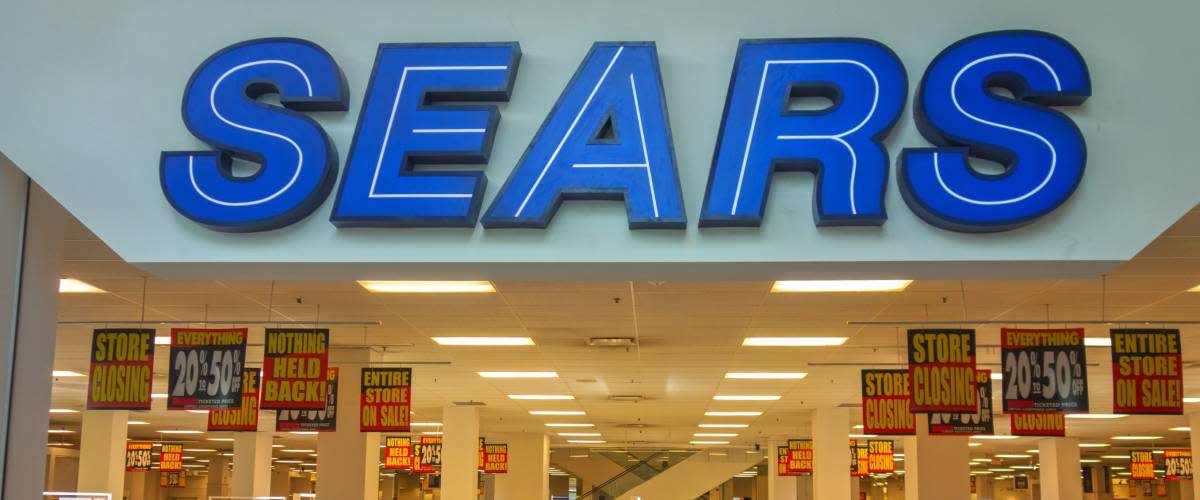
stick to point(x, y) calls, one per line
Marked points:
point(528, 467)
point(1194, 422)
point(778, 488)
point(460, 452)
point(281, 482)
point(936, 466)
point(831, 453)
point(251, 464)
point(218, 476)
point(348, 460)
point(102, 452)
point(1058, 465)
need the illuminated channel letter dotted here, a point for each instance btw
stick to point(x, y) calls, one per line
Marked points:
point(608, 137)
point(1041, 150)
point(413, 114)
point(763, 132)
point(298, 162)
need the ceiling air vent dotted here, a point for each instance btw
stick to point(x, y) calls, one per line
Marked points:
point(628, 398)
point(850, 405)
point(632, 426)
point(612, 342)
point(470, 403)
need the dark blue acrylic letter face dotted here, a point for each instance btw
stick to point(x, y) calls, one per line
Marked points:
point(841, 145)
point(608, 137)
point(413, 114)
point(1042, 151)
point(298, 161)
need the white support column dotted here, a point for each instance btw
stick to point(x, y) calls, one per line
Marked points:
point(831, 453)
point(778, 488)
point(348, 460)
point(936, 466)
point(281, 482)
point(31, 233)
point(1058, 465)
point(1194, 422)
point(102, 449)
point(218, 476)
point(460, 452)
point(528, 467)
point(251, 464)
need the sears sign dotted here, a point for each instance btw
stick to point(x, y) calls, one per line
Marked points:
point(990, 96)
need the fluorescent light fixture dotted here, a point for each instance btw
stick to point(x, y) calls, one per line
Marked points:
point(484, 341)
point(202, 412)
point(1180, 429)
point(541, 397)
point(71, 285)
point(825, 286)
point(993, 437)
point(428, 286)
point(518, 374)
point(202, 450)
point(1097, 341)
point(862, 436)
point(164, 340)
point(586, 441)
point(997, 376)
point(180, 432)
point(744, 397)
point(295, 451)
point(137, 422)
point(556, 412)
point(724, 426)
point(765, 376)
point(1136, 438)
point(714, 435)
point(793, 341)
point(974, 444)
point(158, 395)
point(65, 373)
point(63, 410)
point(1191, 400)
point(1093, 445)
point(1094, 416)
point(425, 424)
point(221, 440)
point(1115, 457)
point(579, 434)
point(1089, 461)
point(432, 433)
point(570, 425)
point(708, 442)
point(60, 431)
point(1013, 455)
point(733, 413)
point(859, 426)
point(298, 433)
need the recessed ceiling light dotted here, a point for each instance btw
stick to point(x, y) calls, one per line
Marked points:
point(824, 286)
point(997, 376)
point(993, 437)
point(1094, 416)
point(570, 425)
point(793, 341)
point(202, 450)
point(765, 375)
point(202, 412)
point(63, 410)
point(1093, 445)
point(724, 426)
point(862, 436)
point(733, 413)
point(541, 397)
point(744, 397)
point(518, 374)
point(295, 451)
point(60, 431)
point(70, 285)
point(180, 432)
point(163, 340)
point(714, 435)
point(1136, 438)
point(708, 442)
point(579, 434)
point(221, 440)
point(556, 412)
point(1097, 341)
point(137, 422)
point(1013, 455)
point(428, 286)
point(1180, 429)
point(484, 341)
point(65, 373)
point(1194, 289)
point(425, 424)
point(586, 441)
point(974, 444)
point(432, 433)
point(1115, 457)
point(158, 395)
point(1191, 400)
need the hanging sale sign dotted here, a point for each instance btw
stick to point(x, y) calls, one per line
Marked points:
point(860, 459)
point(122, 367)
point(385, 401)
point(1037, 424)
point(1147, 372)
point(1177, 464)
point(138, 456)
point(427, 455)
point(323, 420)
point(170, 458)
point(881, 456)
point(941, 370)
point(781, 465)
point(206, 368)
point(245, 417)
point(968, 423)
point(175, 479)
point(886, 403)
point(397, 453)
point(1141, 465)
point(1045, 370)
point(495, 458)
point(295, 361)
point(800, 457)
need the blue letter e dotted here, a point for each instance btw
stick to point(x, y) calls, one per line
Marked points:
point(607, 138)
point(1041, 150)
point(298, 161)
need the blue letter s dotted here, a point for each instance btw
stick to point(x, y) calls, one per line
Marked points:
point(1042, 150)
point(298, 160)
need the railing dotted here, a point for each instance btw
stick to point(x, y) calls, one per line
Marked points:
point(625, 480)
point(74, 495)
